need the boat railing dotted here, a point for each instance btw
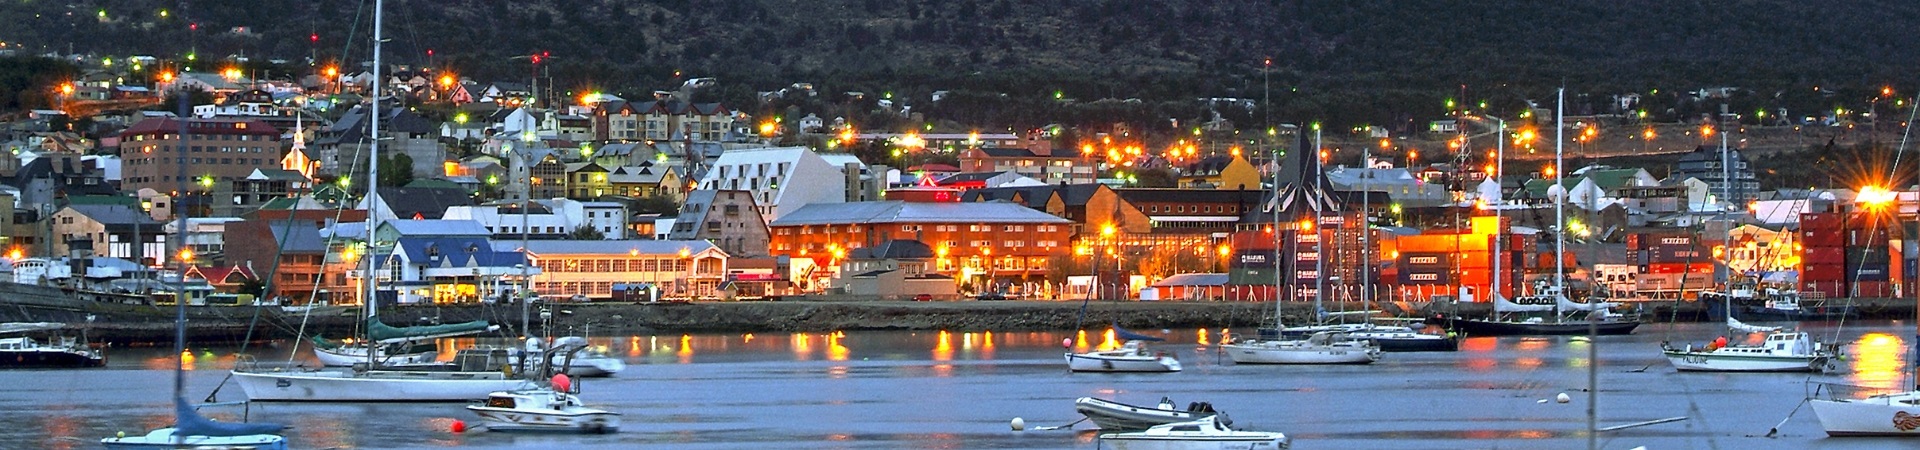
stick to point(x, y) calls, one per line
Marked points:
point(1838, 391)
point(248, 363)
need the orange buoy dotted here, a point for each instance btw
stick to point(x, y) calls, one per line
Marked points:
point(459, 427)
point(1066, 343)
point(562, 383)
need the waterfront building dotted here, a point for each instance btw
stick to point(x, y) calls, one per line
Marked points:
point(113, 230)
point(674, 269)
point(546, 218)
point(290, 251)
point(980, 244)
point(442, 261)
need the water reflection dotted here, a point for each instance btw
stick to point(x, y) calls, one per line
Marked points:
point(1877, 360)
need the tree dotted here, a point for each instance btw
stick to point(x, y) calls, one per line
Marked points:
point(1156, 178)
point(397, 170)
point(586, 233)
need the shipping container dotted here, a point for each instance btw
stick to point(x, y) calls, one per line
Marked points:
point(1822, 255)
point(1857, 256)
point(1823, 272)
point(1426, 277)
point(1678, 256)
point(1867, 273)
point(1829, 289)
point(1819, 221)
point(1826, 238)
point(1871, 289)
point(1633, 242)
point(1426, 259)
point(1877, 237)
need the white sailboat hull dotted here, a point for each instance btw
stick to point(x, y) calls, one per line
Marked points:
point(1880, 415)
point(1101, 362)
point(374, 386)
point(1299, 352)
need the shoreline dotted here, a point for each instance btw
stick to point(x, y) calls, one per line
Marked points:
point(825, 316)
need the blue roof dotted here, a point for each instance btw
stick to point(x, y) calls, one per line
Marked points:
point(458, 250)
point(438, 227)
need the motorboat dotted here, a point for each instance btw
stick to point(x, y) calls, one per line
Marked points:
point(58, 351)
point(1133, 356)
point(192, 430)
point(1775, 304)
point(1206, 433)
point(543, 409)
point(1326, 347)
point(1115, 416)
point(1782, 351)
point(475, 373)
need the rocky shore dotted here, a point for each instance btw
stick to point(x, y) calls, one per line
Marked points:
point(818, 316)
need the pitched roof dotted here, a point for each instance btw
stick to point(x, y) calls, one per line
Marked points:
point(427, 203)
point(438, 227)
point(913, 212)
point(894, 249)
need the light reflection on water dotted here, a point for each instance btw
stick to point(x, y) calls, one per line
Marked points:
point(949, 389)
point(1879, 360)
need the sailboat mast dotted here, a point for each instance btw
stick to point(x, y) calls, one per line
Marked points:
point(1499, 193)
point(1366, 228)
point(1559, 205)
point(1277, 272)
point(1320, 206)
point(373, 178)
point(180, 240)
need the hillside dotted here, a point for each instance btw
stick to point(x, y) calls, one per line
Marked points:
point(1344, 62)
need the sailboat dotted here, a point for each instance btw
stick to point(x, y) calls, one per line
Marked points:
point(1322, 347)
point(475, 373)
point(190, 429)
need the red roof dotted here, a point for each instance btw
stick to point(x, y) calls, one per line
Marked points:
point(163, 125)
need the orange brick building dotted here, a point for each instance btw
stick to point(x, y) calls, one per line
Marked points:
point(976, 243)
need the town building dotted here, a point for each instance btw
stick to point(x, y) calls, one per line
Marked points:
point(109, 230)
point(342, 147)
point(781, 179)
point(443, 261)
point(981, 244)
point(290, 251)
point(727, 218)
point(661, 120)
point(670, 269)
point(557, 218)
point(1038, 160)
point(1230, 171)
point(215, 151)
point(1704, 163)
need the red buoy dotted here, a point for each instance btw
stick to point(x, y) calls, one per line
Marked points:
point(1066, 343)
point(459, 427)
point(562, 383)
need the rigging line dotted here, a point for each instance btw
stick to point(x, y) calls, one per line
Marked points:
point(338, 210)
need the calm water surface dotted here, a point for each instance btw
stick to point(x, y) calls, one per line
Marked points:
point(875, 390)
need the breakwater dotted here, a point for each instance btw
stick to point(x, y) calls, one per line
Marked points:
point(232, 325)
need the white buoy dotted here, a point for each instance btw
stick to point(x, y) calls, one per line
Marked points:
point(1542, 401)
point(1019, 424)
point(1562, 398)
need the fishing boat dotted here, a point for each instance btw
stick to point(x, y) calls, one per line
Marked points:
point(1116, 416)
point(1326, 347)
point(555, 407)
point(1206, 433)
point(1781, 352)
point(475, 372)
point(1773, 305)
point(190, 429)
point(1133, 356)
point(59, 351)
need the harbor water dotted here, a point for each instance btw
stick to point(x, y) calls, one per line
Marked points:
point(897, 389)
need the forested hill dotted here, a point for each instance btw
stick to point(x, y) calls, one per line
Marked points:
point(1327, 55)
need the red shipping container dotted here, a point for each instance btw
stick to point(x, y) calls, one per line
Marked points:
point(1822, 255)
point(1829, 289)
point(1667, 268)
point(1633, 242)
point(1823, 272)
point(1819, 221)
point(1872, 289)
point(1823, 238)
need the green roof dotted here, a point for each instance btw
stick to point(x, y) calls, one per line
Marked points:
point(1610, 179)
point(433, 183)
point(1537, 188)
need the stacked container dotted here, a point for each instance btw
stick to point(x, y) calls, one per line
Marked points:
point(1823, 254)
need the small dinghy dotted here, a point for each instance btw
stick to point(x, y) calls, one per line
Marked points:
point(1116, 416)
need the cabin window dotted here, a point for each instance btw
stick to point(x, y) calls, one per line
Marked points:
point(500, 402)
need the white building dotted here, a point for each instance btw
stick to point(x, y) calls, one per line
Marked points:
point(662, 268)
point(545, 218)
point(780, 178)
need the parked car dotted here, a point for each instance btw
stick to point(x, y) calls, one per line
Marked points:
point(990, 296)
point(923, 298)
